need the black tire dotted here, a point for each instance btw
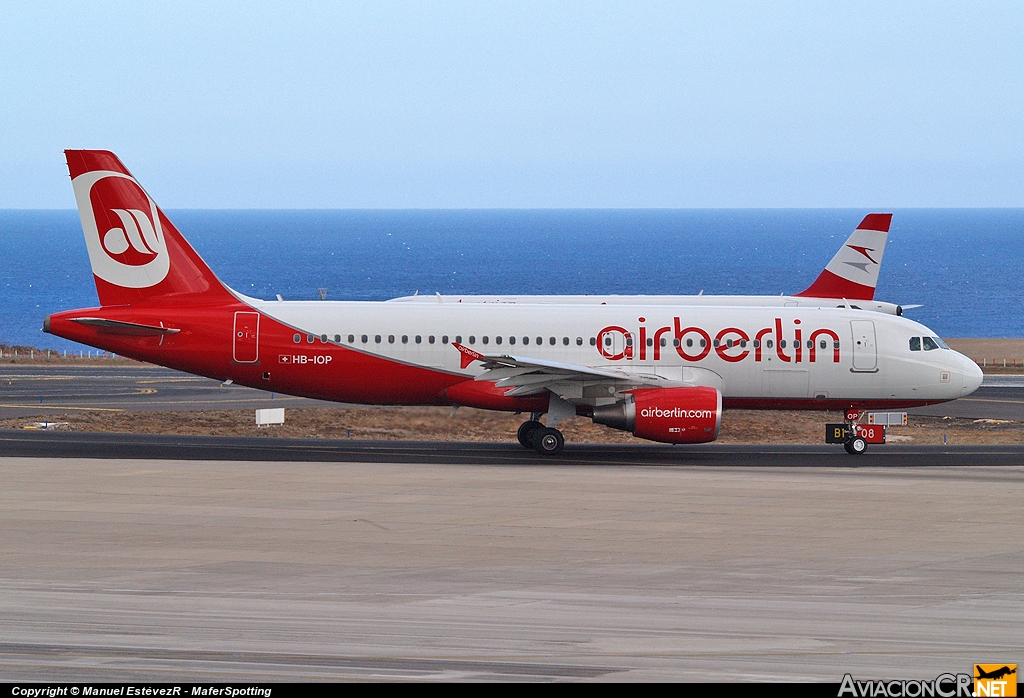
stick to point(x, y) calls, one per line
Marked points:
point(526, 431)
point(548, 442)
point(856, 446)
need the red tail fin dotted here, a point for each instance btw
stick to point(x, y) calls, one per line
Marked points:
point(136, 252)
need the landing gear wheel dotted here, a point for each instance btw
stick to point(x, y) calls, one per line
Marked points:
point(526, 431)
point(548, 442)
point(856, 446)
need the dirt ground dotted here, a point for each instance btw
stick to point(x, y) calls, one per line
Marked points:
point(467, 424)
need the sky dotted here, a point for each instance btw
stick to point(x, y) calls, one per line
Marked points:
point(519, 105)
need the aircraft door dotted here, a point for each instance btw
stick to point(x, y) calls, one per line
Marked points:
point(619, 345)
point(246, 337)
point(865, 353)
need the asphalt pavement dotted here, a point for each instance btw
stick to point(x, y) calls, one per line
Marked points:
point(28, 390)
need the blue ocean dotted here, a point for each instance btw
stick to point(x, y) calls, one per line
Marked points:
point(965, 266)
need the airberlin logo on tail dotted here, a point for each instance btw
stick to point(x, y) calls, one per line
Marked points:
point(122, 230)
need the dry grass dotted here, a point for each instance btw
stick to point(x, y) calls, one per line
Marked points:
point(439, 424)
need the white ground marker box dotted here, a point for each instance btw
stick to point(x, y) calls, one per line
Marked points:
point(889, 419)
point(267, 417)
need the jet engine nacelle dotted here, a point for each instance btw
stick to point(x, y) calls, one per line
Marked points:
point(686, 415)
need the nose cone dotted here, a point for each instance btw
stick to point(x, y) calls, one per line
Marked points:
point(972, 376)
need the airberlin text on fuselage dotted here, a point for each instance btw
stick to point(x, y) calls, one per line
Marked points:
point(732, 344)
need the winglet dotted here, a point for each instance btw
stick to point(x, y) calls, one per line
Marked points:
point(853, 272)
point(468, 356)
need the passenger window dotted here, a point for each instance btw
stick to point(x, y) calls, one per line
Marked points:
point(337, 339)
point(540, 340)
point(715, 343)
point(484, 339)
point(675, 342)
point(405, 339)
point(309, 338)
point(782, 344)
point(743, 343)
point(810, 344)
point(607, 341)
point(365, 339)
point(458, 339)
point(419, 339)
point(663, 342)
point(497, 340)
point(430, 339)
point(526, 340)
point(593, 341)
point(929, 343)
point(915, 344)
point(629, 341)
point(579, 341)
point(650, 342)
point(769, 344)
point(689, 342)
point(376, 338)
point(323, 338)
point(391, 339)
point(444, 339)
point(297, 338)
point(565, 341)
point(472, 339)
point(823, 344)
point(757, 343)
point(551, 341)
point(351, 339)
point(835, 344)
point(703, 343)
point(512, 340)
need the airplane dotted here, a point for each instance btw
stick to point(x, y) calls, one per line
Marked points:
point(851, 275)
point(663, 372)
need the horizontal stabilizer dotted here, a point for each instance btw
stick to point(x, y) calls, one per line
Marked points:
point(133, 329)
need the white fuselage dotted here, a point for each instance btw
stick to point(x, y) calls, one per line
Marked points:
point(857, 355)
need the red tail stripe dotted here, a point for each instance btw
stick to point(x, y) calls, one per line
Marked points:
point(876, 221)
point(828, 285)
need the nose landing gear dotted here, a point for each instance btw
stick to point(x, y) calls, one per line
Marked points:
point(856, 446)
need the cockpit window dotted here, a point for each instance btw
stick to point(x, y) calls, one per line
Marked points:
point(929, 343)
point(915, 344)
point(941, 343)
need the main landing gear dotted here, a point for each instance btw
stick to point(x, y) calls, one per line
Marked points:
point(547, 441)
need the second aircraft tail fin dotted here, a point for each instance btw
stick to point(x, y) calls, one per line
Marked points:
point(853, 272)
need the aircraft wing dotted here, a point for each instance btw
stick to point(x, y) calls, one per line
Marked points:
point(528, 376)
point(531, 376)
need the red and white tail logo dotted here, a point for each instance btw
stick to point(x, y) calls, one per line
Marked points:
point(136, 252)
point(853, 272)
point(126, 244)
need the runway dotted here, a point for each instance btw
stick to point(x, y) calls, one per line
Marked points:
point(188, 570)
point(29, 390)
point(56, 444)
